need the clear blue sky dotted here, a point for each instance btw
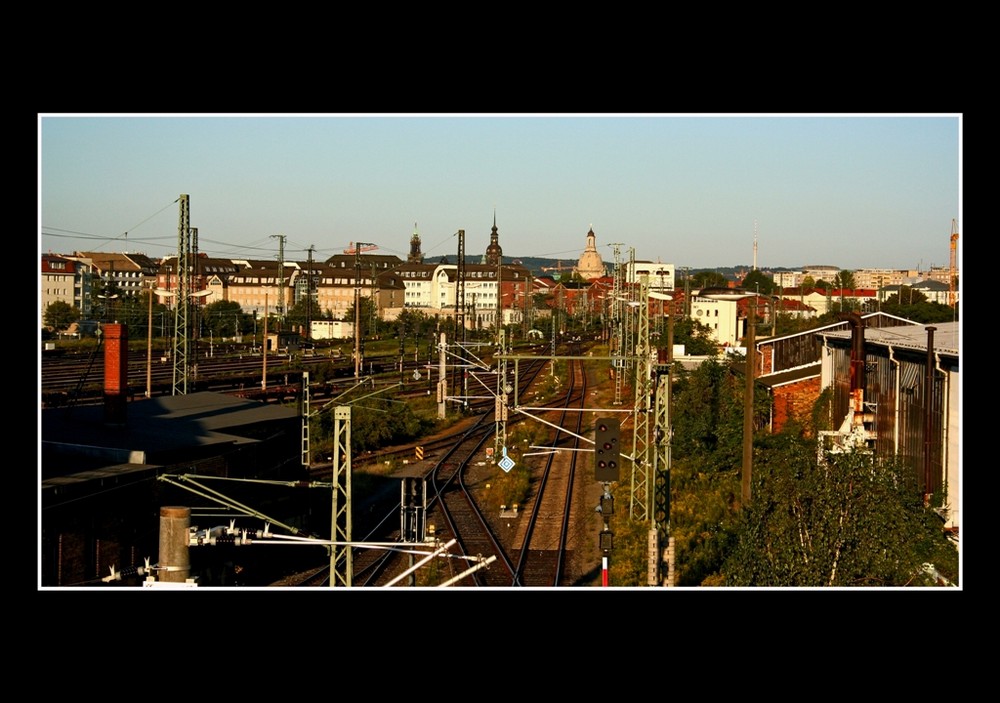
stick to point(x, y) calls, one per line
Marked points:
point(854, 191)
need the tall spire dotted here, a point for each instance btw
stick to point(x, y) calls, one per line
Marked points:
point(415, 256)
point(494, 253)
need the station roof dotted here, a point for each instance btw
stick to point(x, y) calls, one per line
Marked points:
point(946, 336)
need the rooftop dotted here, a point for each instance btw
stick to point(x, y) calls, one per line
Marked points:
point(946, 336)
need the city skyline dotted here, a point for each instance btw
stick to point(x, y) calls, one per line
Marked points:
point(696, 191)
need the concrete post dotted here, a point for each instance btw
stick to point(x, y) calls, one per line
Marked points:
point(175, 558)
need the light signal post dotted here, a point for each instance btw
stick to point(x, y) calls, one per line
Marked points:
point(607, 454)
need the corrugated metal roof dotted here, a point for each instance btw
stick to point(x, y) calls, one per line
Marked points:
point(946, 336)
point(790, 375)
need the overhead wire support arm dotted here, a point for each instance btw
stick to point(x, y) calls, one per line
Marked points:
point(217, 497)
point(521, 410)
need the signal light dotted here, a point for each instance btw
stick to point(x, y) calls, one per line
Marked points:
point(607, 447)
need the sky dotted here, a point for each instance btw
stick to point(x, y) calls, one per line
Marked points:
point(694, 190)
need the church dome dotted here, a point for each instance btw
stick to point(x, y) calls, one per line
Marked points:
point(590, 265)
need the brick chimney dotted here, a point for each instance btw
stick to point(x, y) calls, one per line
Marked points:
point(115, 373)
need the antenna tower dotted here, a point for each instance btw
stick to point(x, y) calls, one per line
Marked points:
point(755, 245)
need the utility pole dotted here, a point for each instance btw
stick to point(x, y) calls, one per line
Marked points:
point(442, 388)
point(309, 292)
point(357, 306)
point(499, 319)
point(617, 331)
point(281, 276)
point(192, 287)
point(263, 346)
point(460, 314)
point(149, 345)
point(748, 401)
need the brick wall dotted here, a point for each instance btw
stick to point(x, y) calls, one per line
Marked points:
point(795, 401)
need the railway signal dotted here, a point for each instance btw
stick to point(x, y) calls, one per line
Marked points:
point(607, 441)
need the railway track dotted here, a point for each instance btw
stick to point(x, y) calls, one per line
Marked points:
point(78, 379)
point(377, 518)
point(543, 555)
point(530, 549)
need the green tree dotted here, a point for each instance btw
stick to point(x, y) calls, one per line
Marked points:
point(695, 336)
point(59, 315)
point(379, 422)
point(923, 312)
point(905, 296)
point(303, 313)
point(223, 318)
point(844, 279)
point(759, 283)
point(847, 520)
point(709, 279)
point(367, 316)
point(415, 323)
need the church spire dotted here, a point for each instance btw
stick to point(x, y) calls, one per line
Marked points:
point(494, 254)
point(415, 256)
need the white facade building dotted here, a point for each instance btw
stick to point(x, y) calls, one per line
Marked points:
point(721, 317)
point(659, 276)
point(332, 329)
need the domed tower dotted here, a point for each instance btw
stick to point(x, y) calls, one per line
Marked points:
point(415, 257)
point(494, 254)
point(590, 265)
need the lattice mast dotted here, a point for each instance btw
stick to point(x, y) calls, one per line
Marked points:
point(180, 352)
point(641, 495)
point(618, 345)
point(341, 561)
point(306, 412)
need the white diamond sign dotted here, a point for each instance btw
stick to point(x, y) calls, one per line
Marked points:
point(506, 463)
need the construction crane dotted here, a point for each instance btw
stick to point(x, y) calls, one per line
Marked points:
point(557, 268)
point(360, 249)
point(952, 273)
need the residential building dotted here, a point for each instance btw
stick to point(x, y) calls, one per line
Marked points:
point(659, 276)
point(66, 280)
point(824, 301)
